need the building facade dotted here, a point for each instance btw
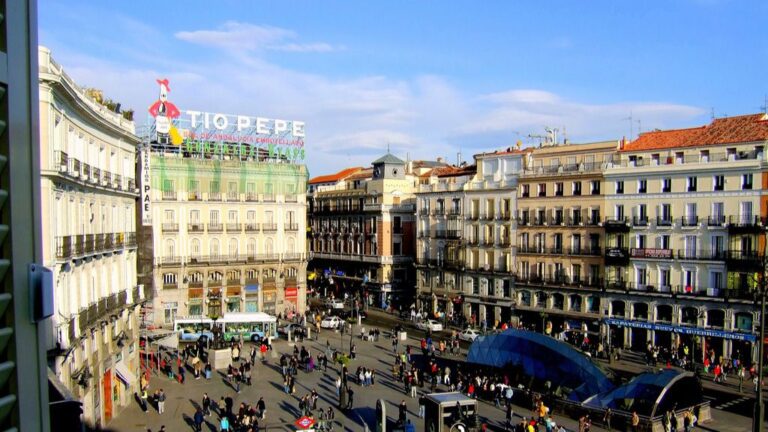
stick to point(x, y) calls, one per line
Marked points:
point(227, 235)
point(363, 231)
point(687, 211)
point(466, 237)
point(88, 198)
point(560, 234)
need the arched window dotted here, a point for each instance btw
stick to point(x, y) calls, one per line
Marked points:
point(618, 308)
point(269, 248)
point(170, 278)
point(194, 248)
point(557, 301)
point(575, 302)
point(640, 311)
point(233, 247)
point(525, 298)
point(715, 318)
point(664, 313)
point(251, 247)
point(170, 248)
point(214, 247)
point(291, 248)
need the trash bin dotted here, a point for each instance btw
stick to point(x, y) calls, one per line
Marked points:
point(403, 336)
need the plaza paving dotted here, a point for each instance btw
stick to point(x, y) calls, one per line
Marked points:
point(282, 409)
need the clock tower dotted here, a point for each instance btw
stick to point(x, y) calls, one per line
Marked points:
point(388, 167)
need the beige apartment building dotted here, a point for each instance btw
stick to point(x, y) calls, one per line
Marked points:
point(227, 235)
point(89, 194)
point(560, 235)
point(440, 245)
point(363, 231)
point(687, 227)
point(466, 232)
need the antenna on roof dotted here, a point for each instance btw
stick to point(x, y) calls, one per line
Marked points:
point(630, 124)
point(765, 104)
point(639, 127)
point(712, 113)
point(387, 147)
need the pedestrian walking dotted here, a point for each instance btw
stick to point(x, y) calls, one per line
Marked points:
point(206, 404)
point(143, 397)
point(350, 397)
point(402, 412)
point(161, 402)
point(607, 419)
point(198, 419)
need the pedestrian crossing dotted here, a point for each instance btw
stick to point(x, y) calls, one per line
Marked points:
point(731, 403)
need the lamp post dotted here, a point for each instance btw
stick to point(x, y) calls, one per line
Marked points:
point(758, 420)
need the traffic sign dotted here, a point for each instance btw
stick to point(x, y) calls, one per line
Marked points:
point(304, 422)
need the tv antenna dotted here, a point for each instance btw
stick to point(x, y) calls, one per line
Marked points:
point(631, 124)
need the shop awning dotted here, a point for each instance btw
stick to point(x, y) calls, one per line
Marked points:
point(252, 288)
point(171, 342)
point(126, 376)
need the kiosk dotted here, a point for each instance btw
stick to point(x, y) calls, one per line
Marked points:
point(451, 412)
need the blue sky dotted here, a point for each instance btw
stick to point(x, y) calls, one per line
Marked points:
point(428, 78)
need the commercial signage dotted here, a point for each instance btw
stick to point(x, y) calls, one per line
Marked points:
point(146, 187)
point(696, 331)
point(208, 133)
point(304, 422)
point(291, 292)
point(651, 253)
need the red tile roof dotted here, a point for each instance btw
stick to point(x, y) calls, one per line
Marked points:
point(362, 174)
point(727, 130)
point(332, 178)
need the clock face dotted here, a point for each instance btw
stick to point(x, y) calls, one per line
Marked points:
point(394, 171)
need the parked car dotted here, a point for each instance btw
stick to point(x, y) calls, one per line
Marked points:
point(290, 327)
point(331, 322)
point(469, 335)
point(347, 314)
point(334, 304)
point(429, 325)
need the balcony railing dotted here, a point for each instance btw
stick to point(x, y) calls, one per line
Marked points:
point(95, 175)
point(62, 161)
point(269, 227)
point(251, 227)
point(106, 178)
point(169, 195)
point(715, 220)
point(170, 227)
point(663, 221)
point(86, 172)
point(291, 227)
point(194, 196)
point(64, 247)
point(214, 196)
point(234, 227)
point(291, 198)
point(251, 197)
point(689, 221)
point(293, 257)
point(131, 185)
point(195, 227)
point(233, 196)
point(215, 227)
point(268, 197)
point(640, 221)
point(704, 255)
point(118, 182)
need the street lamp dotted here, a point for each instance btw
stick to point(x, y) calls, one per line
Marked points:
point(758, 420)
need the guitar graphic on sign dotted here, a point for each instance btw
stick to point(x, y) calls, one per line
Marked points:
point(164, 112)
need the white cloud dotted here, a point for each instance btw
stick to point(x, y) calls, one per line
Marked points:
point(351, 121)
point(237, 36)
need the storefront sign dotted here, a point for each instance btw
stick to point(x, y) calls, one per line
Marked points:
point(146, 187)
point(697, 331)
point(651, 253)
point(291, 292)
